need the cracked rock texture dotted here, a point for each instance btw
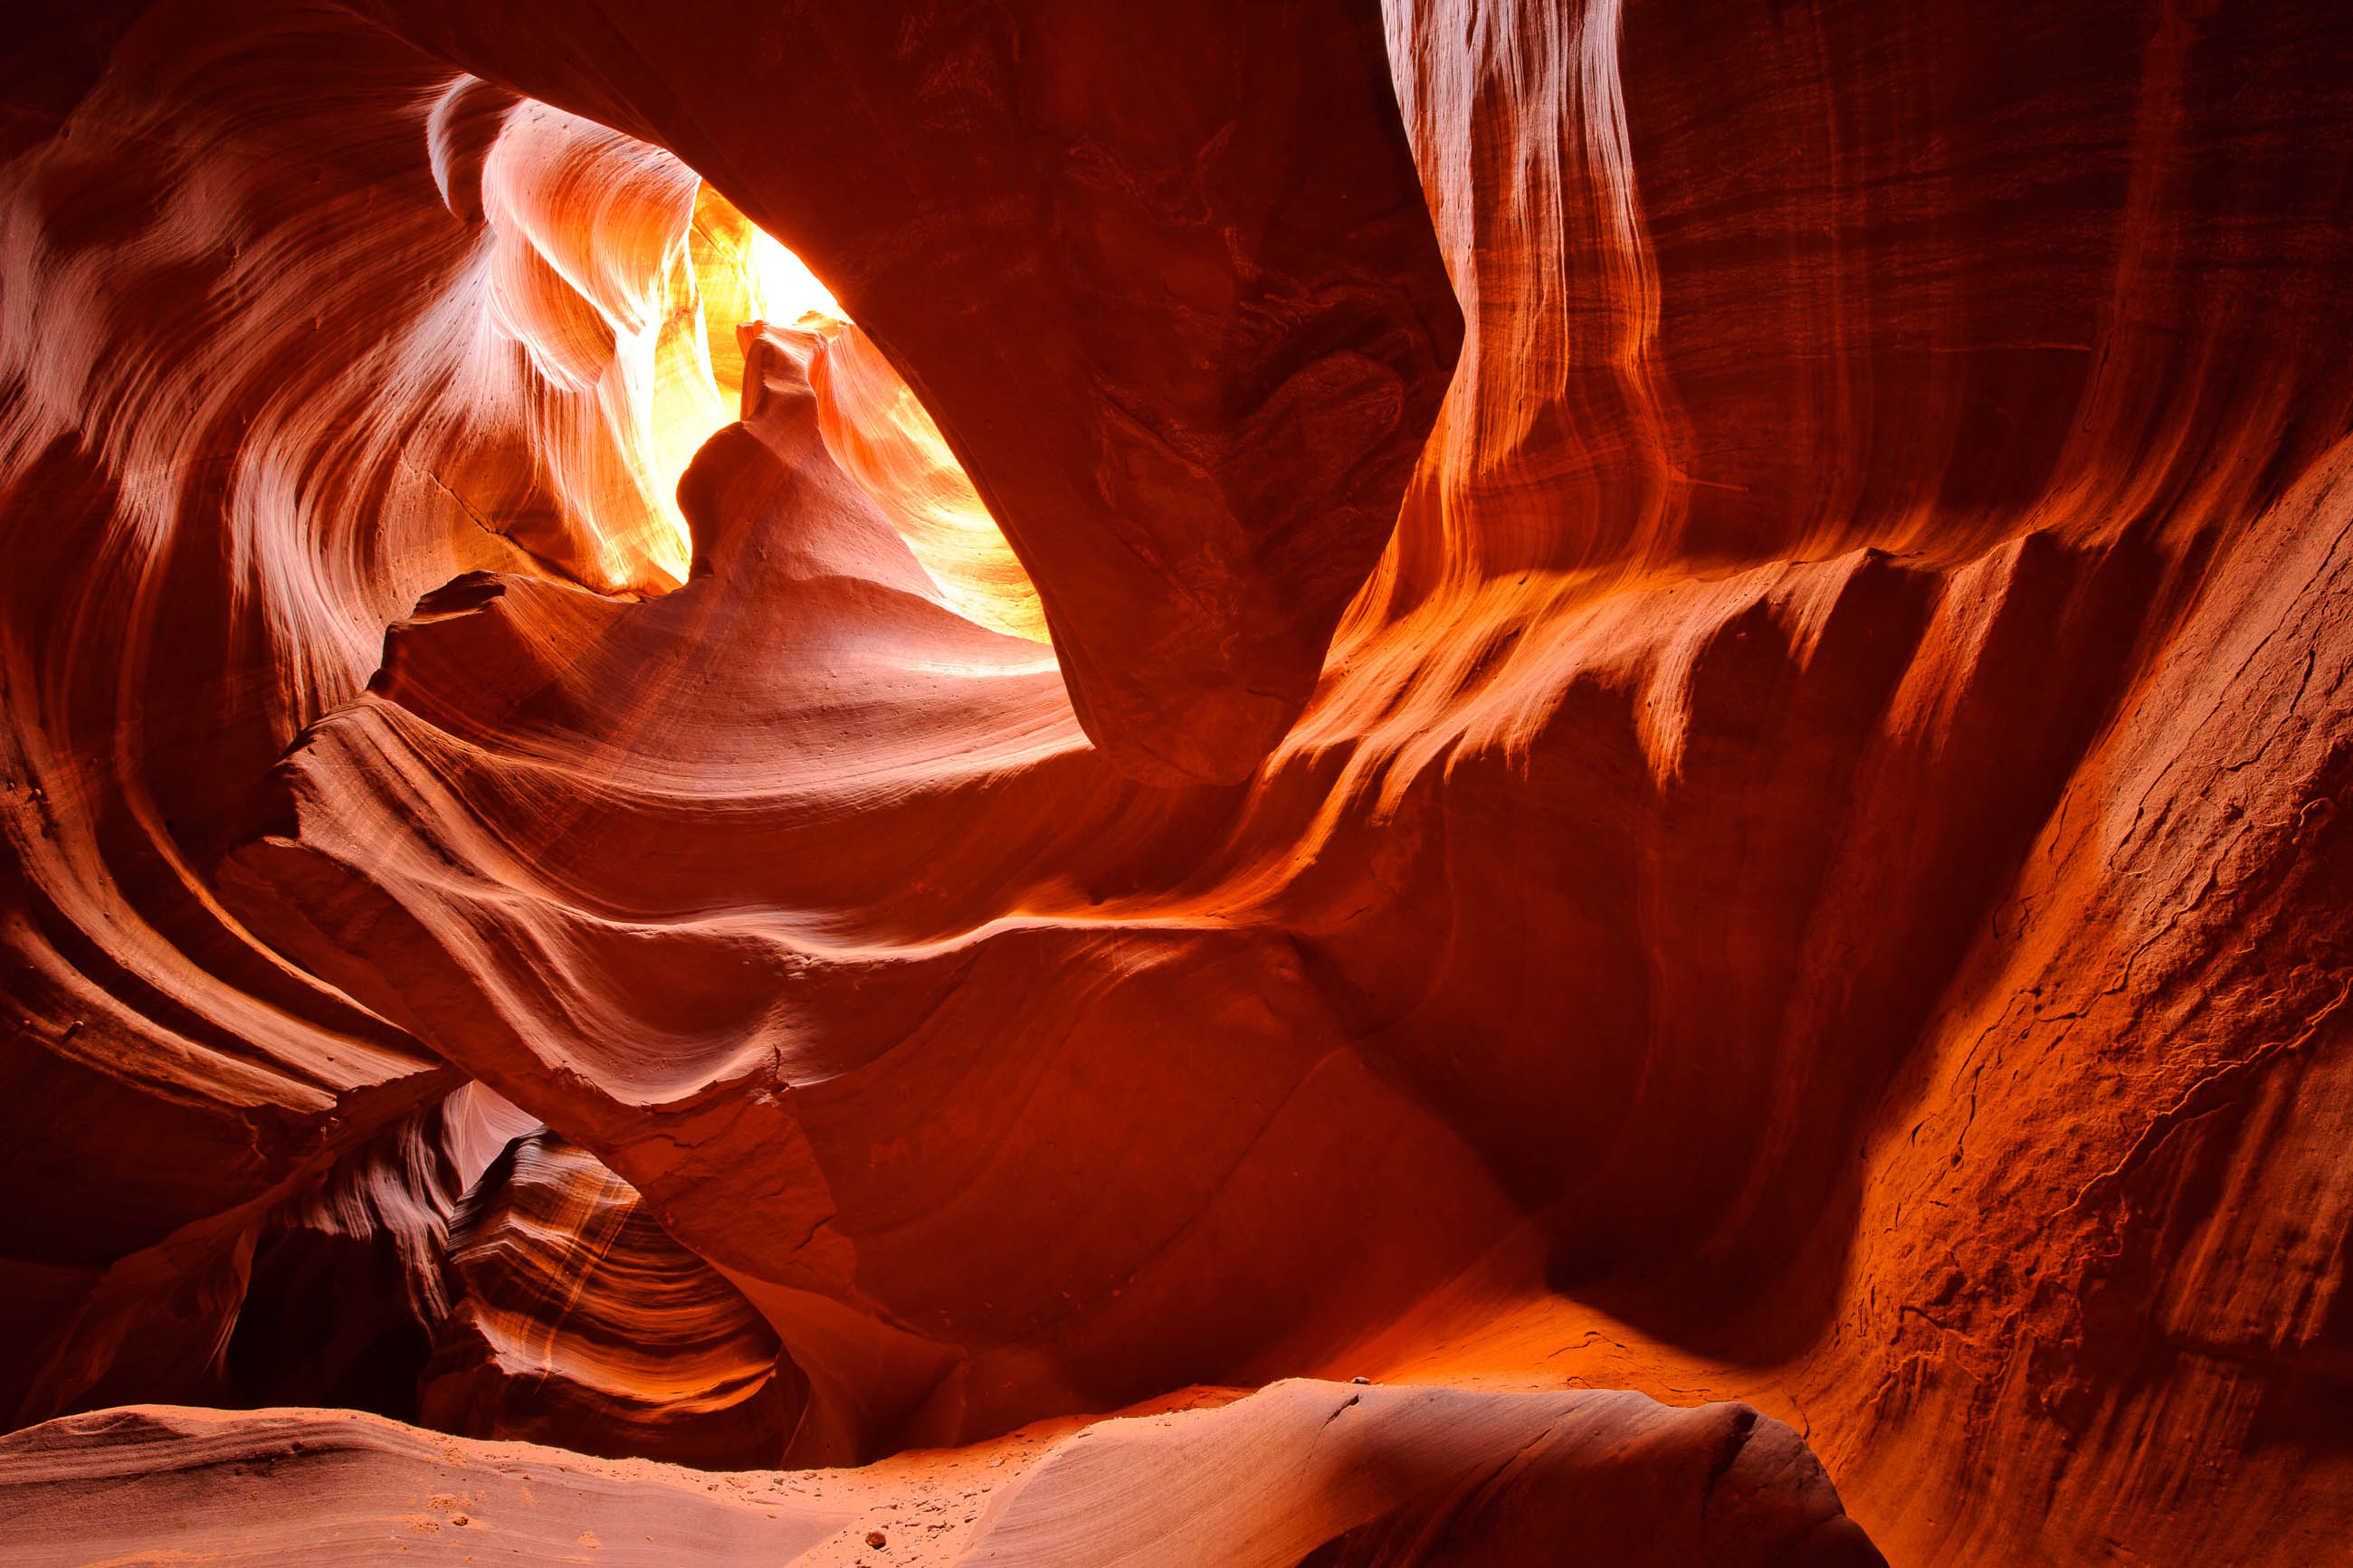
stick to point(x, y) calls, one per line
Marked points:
point(1523, 700)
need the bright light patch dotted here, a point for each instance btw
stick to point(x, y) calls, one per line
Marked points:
point(873, 423)
point(788, 290)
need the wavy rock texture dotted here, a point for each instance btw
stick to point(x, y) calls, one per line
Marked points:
point(345, 1292)
point(308, 1486)
point(1197, 326)
point(258, 379)
point(1802, 871)
point(576, 1319)
point(1310, 1472)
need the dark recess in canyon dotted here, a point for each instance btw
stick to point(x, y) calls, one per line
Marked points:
point(1275, 782)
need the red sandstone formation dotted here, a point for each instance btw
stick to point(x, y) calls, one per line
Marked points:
point(1046, 846)
point(347, 1285)
point(1197, 325)
point(578, 1320)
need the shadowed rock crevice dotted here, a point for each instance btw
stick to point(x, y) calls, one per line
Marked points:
point(574, 1316)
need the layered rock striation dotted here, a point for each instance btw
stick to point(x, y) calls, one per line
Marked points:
point(574, 1318)
point(1032, 843)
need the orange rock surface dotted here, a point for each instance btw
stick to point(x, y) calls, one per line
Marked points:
point(576, 1316)
point(1302, 1471)
point(790, 737)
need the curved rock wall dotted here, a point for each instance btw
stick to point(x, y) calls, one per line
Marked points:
point(576, 1318)
point(1802, 869)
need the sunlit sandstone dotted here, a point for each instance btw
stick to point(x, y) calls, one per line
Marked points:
point(826, 741)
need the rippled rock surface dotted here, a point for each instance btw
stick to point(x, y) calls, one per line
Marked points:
point(1301, 1472)
point(1518, 698)
point(576, 1318)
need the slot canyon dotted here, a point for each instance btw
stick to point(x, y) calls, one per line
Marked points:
point(1244, 783)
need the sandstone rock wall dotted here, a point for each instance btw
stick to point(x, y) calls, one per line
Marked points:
point(1800, 869)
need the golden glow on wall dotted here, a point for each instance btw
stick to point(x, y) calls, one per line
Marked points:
point(620, 280)
point(873, 423)
point(789, 291)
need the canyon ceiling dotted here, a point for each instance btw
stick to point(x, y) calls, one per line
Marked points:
point(1263, 781)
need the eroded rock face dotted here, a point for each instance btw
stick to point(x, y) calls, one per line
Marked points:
point(1805, 872)
point(576, 1318)
point(256, 374)
point(1165, 278)
point(345, 1291)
